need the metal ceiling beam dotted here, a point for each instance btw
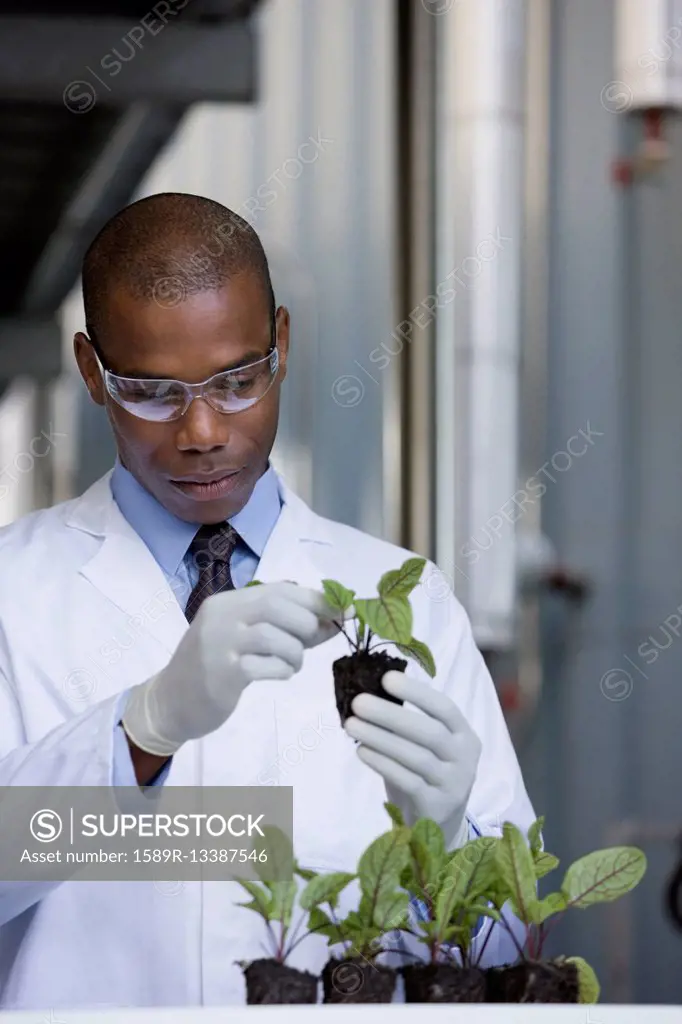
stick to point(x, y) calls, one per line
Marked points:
point(115, 62)
point(138, 138)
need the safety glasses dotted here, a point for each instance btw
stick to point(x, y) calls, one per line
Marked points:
point(163, 400)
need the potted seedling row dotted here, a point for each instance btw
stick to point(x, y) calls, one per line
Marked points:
point(485, 878)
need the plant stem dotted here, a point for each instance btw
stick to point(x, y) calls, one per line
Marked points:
point(350, 639)
point(273, 937)
point(292, 942)
point(282, 940)
point(547, 928)
point(485, 942)
point(510, 931)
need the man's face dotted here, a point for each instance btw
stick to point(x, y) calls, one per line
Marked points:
point(205, 334)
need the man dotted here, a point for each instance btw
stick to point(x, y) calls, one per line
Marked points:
point(131, 652)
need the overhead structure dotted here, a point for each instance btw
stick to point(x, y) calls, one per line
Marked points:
point(90, 93)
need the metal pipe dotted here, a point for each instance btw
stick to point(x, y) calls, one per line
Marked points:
point(480, 201)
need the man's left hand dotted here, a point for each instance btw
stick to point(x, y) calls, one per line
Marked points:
point(428, 761)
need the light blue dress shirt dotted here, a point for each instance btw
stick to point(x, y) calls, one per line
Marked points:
point(169, 538)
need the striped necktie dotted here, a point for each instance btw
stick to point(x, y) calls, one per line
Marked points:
point(211, 551)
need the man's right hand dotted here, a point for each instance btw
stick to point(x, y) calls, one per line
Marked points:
point(235, 638)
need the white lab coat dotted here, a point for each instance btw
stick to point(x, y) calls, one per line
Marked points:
point(85, 613)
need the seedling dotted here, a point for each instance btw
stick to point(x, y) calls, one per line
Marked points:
point(599, 877)
point(382, 908)
point(271, 980)
point(450, 888)
point(376, 622)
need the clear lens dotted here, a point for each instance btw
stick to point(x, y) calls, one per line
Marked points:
point(150, 400)
point(162, 400)
point(231, 392)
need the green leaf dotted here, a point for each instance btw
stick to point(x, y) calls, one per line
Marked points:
point(588, 984)
point(324, 889)
point(540, 910)
point(283, 898)
point(254, 583)
point(429, 857)
point(477, 860)
point(401, 582)
point(381, 864)
point(279, 865)
point(603, 876)
point(390, 618)
point(535, 836)
point(396, 814)
point(451, 897)
point(391, 911)
point(420, 653)
point(516, 869)
point(280, 854)
point(304, 873)
point(429, 930)
point(338, 596)
point(544, 863)
point(454, 934)
point(477, 910)
point(322, 924)
point(262, 899)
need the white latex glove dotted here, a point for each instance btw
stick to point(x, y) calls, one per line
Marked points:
point(428, 761)
point(236, 637)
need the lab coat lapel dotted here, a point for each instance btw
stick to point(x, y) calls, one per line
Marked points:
point(124, 569)
point(288, 552)
point(126, 572)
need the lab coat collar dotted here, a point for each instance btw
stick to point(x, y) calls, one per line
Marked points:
point(125, 571)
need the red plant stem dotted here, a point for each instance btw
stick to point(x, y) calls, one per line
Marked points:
point(510, 931)
point(485, 941)
point(350, 640)
point(292, 943)
point(547, 928)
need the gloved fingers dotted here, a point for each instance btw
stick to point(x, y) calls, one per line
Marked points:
point(313, 600)
point(259, 666)
point(418, 759)
point(287, 616)
point(297, 617)
point(394, 774)
point(325, 631)
point(426, 698)
point(420, 729)
point(264, 638)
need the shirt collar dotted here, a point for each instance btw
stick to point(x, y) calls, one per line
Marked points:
point(169, 537)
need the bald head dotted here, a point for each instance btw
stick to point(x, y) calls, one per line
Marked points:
point(167, 247)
